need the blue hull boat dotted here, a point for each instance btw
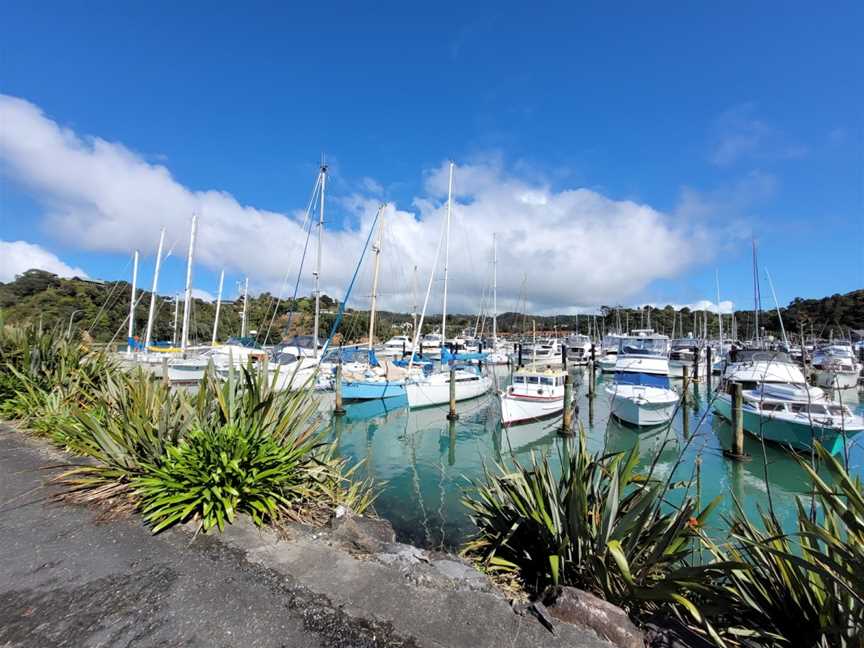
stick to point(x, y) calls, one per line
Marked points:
point(372, 389)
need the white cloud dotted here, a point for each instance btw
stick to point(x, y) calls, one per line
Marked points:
point(19, 256)
point(564, 249)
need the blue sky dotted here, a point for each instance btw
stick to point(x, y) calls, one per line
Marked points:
point(726, 122)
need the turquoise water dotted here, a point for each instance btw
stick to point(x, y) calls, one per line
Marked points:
point(426, 463)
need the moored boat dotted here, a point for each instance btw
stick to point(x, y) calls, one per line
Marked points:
point(533, 395)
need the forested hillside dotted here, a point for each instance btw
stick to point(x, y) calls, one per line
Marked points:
point(101, 309)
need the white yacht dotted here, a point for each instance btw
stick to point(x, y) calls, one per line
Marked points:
point(434, 389)
point(640, 393)
point(533, 395)
point(780, 407)
point(578, 349)
point(683, 353)
point(430, 345)
point(834, 367)
point(609, 356)
point(395, 347)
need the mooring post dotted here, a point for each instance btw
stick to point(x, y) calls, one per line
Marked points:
point(421, 350)
point(708, 368)
point(519, 364)
point(564, 357)
point(403, 348)
point(452, 415)
point(165, 378)
point(591, 374)
point(737, 452)
point(738, 419)
point(567, 416)
point(338, 408)
point(696, 366)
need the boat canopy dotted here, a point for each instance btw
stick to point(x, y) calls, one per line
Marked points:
point(755, 355)
point(447, 357)
point(643, 379)
point(247, 342)
point(653, 346)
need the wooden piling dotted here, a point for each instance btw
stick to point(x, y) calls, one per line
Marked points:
point(696, 366)
point(452, 415)
point(338, 408)
point(564, 358)
point(737, 451)
point(708, 368)
point(519, 364)
point(591, 374)
point(567, 414)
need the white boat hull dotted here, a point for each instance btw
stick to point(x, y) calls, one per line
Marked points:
point(436, 389)
point(517, 409)
point(642, 406)
point(830, 379)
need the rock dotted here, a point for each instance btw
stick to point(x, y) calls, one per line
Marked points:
point(574, 606)
point(363, 534)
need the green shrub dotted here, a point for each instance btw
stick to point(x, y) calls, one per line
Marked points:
point(805, 588)
point(598, 526)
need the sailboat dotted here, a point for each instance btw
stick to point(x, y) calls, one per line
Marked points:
point(374, 378)
point(434, 388)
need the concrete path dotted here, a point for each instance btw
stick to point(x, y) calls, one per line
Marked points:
point(68, 580)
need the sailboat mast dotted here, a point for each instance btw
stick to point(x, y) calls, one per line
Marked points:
point(187, 305)
point(218, 306)
point(414, 306)
point(245, 308)
point(318, 261)
point(132, 302)
point(447, 254)
point(176, 316)
point(777, 306)
point(756, 296)
point(377, 250)
point(152, 312)
point(494, 291)
point(719, 313)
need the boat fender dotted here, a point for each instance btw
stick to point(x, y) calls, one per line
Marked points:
point(540, 391)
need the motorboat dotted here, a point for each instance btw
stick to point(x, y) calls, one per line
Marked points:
point(640, 393)
point(779, 406)
point(834, 367)
point(533, 395)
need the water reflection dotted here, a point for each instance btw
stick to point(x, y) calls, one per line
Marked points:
point(425, 462)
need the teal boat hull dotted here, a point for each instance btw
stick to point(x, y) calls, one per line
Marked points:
point(799, 436)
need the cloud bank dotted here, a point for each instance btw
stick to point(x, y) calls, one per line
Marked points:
point(19, 256)
point(558, 250)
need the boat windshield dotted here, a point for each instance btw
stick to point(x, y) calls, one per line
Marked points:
point(641, 379)
point(643, 346)
point(686, 343)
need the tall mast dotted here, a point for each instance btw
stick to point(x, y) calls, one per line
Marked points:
point(719, 312)
point(176, 315)
point(132, 302)
point(414, 306)
point(757, 298)
point(245, 308)
point(494, 291)
point(447, 253)
point(218, 306)
point(377, 250)
point(318, 260)
point(777, 306)
point(187, 304)
point(152, 312)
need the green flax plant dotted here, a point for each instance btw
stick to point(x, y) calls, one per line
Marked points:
point(804, 588)
point(598, 525)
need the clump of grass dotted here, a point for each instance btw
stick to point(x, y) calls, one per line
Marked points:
point(804, 588)
point(598, 525)
point(237, 446)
